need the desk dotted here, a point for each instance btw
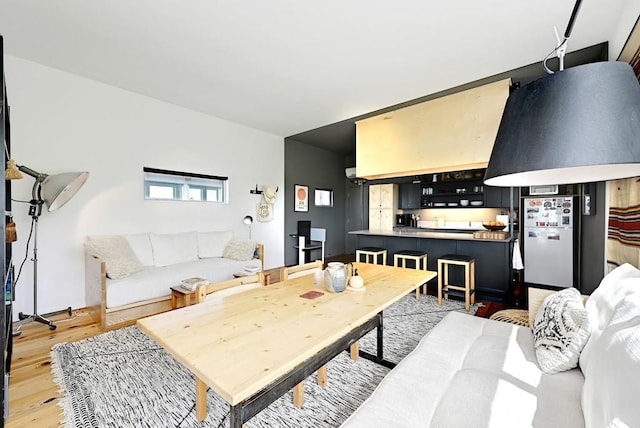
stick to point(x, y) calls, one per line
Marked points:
point(238, 346)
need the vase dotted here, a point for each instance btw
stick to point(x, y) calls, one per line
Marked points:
point(335, 277)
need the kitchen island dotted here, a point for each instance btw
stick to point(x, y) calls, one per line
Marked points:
point(493, 256)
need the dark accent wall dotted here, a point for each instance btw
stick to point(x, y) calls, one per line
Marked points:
point(593, 241)
point(316, 168)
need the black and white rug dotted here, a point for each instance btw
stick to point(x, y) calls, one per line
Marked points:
point(125, 379)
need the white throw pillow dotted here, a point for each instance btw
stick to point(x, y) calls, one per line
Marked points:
point(116, 252)
point(241, 250)
point(141, 246)
point(173, 248)
point(212, 244)
point(560, 331)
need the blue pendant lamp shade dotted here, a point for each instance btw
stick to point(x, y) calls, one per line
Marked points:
point(575, 126)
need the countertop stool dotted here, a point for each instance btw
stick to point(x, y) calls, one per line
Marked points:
point(372, 253)
point(420, 260)
point(469, 287)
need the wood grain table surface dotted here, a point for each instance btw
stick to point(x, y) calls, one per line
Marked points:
point(242, 343)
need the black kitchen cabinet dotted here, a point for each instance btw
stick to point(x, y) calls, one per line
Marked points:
point(409, 197)
point(493, 262)
point(498, 197)
point(454, 190)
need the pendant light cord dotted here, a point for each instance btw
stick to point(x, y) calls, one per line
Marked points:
point(562, 46)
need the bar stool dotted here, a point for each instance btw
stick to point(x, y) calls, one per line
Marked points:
point(373, 253)
point(419, 258)
point(469, 287)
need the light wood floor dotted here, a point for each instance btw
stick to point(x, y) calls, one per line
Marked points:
point(33, 395)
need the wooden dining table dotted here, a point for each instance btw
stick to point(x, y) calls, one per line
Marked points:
point(250, 348)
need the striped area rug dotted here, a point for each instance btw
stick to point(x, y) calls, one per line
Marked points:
point(125, 379)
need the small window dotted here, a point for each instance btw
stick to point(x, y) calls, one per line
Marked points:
point(324, 198)
point(184, 186)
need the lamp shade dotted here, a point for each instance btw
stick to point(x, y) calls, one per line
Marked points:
point(57, 189)
point(575, 126)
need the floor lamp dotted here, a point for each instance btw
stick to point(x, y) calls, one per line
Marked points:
point(55, 191)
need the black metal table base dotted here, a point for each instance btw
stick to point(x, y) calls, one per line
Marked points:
point(245, 410)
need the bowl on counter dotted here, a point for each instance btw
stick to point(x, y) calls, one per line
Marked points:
point(493, 225)
point(476, 203)
point(464, 202)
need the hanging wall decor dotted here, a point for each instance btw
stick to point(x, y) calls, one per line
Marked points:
point(264, 211)
point(301, 202)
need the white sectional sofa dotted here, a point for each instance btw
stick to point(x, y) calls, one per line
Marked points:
point(475, 372)
point(129, 276)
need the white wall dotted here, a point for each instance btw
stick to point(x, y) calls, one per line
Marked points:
point(62, 122)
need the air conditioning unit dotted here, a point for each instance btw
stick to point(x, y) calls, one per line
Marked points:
point(350, 172)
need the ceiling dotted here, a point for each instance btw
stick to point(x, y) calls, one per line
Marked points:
point(288, 66)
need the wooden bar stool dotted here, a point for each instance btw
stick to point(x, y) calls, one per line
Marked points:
point(420, 260)
point(469, 287)
point(373, 253)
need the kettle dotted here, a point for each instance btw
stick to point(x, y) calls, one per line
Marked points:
point(335, 277)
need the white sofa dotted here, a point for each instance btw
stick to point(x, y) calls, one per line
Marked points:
point(475, 372)
point(129, 276)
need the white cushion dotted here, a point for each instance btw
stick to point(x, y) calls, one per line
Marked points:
point(141, 245)
point(155, 282)
point(238, 249)
point(611, 359)
point(473, 372)
point(169, 249)
point(116, 252)
point(560, 331)
point(212, 244)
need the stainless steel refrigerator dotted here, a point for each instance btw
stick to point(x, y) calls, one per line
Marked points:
point(550, 240)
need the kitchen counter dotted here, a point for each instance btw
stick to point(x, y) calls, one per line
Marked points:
point(493, 256)
point(410, 232)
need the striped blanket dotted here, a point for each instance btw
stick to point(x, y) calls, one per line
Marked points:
point(623, 243)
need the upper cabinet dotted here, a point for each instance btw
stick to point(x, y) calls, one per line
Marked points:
point(383, 203)
point(444, 134)
point(409, 196)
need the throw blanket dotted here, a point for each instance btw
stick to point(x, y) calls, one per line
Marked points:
point(623, 243)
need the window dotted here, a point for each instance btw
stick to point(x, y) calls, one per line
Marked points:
point(324, 197)
point(184, 186)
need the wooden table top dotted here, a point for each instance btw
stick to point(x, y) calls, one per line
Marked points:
point(240, 344)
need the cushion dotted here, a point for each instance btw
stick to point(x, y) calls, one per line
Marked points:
point(212, 244)
point(238, 249)
point(173, 248)
point(560, 331)
point(141, 246)
point(612, 374)
point(116, 252)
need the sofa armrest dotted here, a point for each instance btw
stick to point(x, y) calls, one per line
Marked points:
point(95, 282)
point(260, 248)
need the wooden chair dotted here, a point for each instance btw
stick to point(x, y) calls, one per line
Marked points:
point(292, 272)
point(219, 290)
point(300, 270)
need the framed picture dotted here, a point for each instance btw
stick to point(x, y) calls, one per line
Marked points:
point(301, 202)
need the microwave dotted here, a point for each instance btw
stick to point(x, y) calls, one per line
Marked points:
point(544, 190)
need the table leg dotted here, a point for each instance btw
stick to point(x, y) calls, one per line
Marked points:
point(298, 394)
point(379, 341)
point(235, 416)
point(355, 351)
point(201, 400)
point(322, 376)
